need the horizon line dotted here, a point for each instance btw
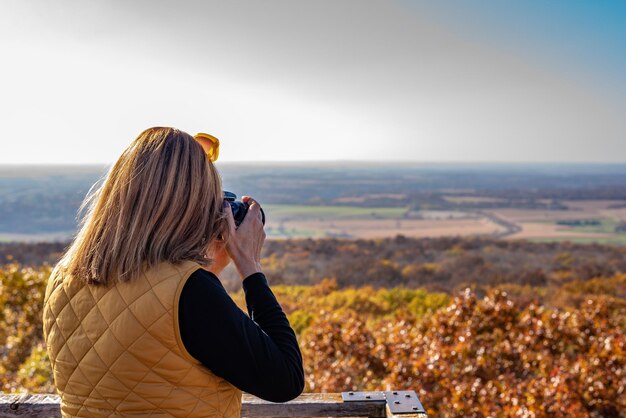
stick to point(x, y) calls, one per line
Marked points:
point(351, 162)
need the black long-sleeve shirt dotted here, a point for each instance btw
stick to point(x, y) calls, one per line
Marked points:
point(259, 354)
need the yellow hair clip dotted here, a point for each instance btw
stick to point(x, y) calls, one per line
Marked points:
point(210, 144)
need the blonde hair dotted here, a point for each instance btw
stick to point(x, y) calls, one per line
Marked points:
point(161, 201)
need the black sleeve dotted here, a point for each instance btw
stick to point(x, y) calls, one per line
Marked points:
point(259, 353)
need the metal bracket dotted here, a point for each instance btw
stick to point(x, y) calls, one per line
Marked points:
point(404, 402)
point(399, 401)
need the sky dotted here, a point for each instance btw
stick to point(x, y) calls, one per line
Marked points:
point(445, 81)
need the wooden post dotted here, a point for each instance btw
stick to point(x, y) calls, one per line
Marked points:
point(305, 405)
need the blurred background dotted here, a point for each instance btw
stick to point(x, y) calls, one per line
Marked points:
point(475, 118)
point(456, 169)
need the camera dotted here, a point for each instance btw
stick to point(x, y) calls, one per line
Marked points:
point(239, 208)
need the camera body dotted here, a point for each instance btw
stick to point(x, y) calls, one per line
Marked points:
point(240, 209)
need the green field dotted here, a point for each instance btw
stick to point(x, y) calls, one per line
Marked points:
point(607, 226)
point(282, 212)
point(295, 233)
point(617, 239)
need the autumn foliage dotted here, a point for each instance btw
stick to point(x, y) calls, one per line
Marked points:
point(487, 356)
point(490, 357)
point(23, 360)
point(513, 351)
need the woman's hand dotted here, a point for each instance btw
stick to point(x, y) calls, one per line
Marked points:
point(244, 243)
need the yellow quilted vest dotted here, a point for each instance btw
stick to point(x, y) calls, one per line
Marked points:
point(116, 350)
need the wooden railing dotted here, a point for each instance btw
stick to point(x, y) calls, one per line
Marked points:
point(403, 404)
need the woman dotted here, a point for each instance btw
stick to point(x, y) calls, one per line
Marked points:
point(136, 320)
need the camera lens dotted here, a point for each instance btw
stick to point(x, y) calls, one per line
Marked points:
point(239, 209)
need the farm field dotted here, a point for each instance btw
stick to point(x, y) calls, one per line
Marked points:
point(291, 221)
point(299, 221)
point(381, 228)
point(543, 225)
point(284, 212)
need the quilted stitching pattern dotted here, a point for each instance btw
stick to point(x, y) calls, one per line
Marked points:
point(114, 351)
